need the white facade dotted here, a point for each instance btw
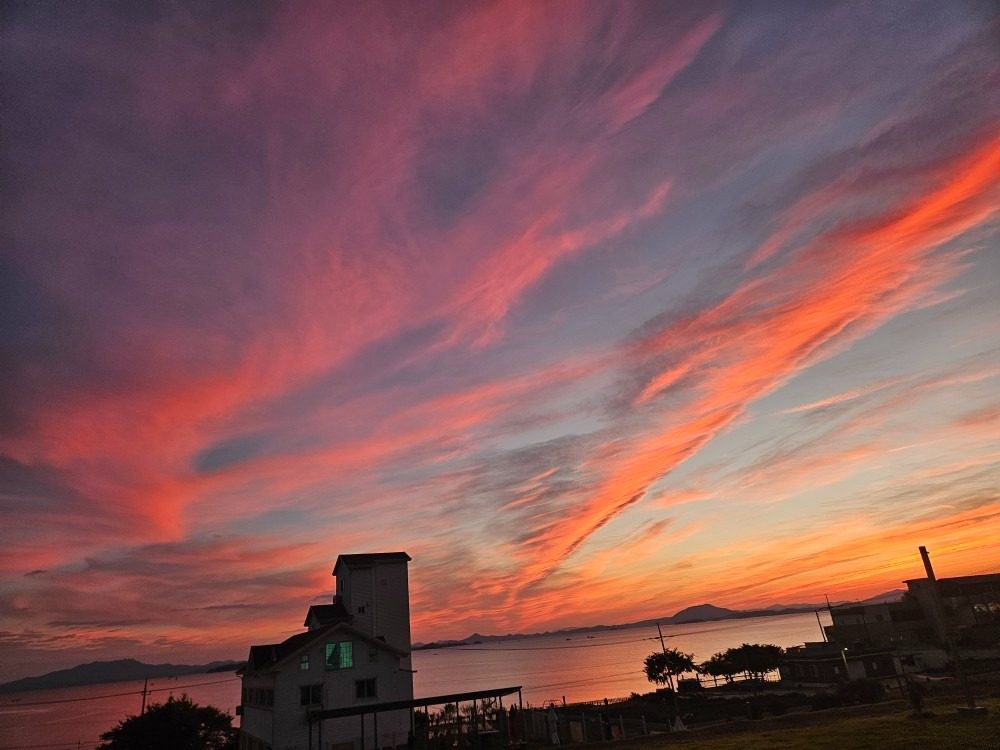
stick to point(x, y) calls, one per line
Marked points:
point(362, 659)
point(374, 589)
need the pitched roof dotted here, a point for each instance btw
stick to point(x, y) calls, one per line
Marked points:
point(328, 614)
point(271, 655)
point(367, 558)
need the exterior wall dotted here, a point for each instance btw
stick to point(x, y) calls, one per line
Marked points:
point(917, 660)
point(823, 664)
point(257, 720)
point(377, 595)
point(358, 597)
point(921, 590)
point(291, 730)
point(392, 603)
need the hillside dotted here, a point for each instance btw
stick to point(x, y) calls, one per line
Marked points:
point(121, 670)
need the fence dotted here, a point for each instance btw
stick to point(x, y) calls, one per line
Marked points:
point(579, 725)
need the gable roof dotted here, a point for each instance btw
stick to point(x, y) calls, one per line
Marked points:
point(368, 558)
point(270, 656)
point(328, 614)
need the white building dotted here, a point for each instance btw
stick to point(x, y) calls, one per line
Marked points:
point(356, 651)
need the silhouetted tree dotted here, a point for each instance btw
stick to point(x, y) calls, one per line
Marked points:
point(720, 665)
point(662, 666)
point(178, 724)
point(756, 659)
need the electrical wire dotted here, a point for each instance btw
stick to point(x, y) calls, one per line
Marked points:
point(52, 745)
point(17, 704)
point(552, 648)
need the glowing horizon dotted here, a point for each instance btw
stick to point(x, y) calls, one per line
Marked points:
point(596, 310)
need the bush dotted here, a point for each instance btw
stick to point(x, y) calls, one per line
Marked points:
point(178, 724)
point(775, 706)
point(861, 691)
point(822, 701)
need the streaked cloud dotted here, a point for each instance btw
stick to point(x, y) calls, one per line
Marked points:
point(555, 297)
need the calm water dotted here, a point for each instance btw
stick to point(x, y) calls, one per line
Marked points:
point(584, 666)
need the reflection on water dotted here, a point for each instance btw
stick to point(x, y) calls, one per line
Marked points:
point(590, 666)
point(581, 666)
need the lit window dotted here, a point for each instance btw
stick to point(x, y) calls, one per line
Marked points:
point(365, 688)
point(340, 655)
point(304, 662)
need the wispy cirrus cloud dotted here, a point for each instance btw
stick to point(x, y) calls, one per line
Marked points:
point(511, 286)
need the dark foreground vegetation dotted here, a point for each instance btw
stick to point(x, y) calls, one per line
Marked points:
point(885, 726)
point(866, 714)
point(178, 724)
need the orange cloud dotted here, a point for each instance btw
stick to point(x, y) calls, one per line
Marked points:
point(846, 282)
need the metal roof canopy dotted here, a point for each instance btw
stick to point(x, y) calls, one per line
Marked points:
point(431, 700)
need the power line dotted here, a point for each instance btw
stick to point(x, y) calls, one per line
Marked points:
point(195, 684)
point(553, 648)
point(50, 745)
point(578, 683)
point(16, 704)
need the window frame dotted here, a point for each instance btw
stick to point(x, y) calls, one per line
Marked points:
point(366, 688)
point(314, 690)
point(337, 648)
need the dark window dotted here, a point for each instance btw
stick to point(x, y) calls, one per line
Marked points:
point(311, 695)
point(361, 610)
point(365, 688)
point(304, 662)
point(372, 654)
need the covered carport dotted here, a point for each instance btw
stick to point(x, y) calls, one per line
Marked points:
point(474, 735)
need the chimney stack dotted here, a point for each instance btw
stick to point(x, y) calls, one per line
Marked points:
point(925, 556)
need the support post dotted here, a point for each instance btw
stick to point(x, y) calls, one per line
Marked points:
point(524, 720)
point(950, 639)
point(673, 688)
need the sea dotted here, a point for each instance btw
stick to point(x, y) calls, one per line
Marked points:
point(579, 666)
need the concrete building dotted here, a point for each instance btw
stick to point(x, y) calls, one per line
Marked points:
point(970, 615)
point(914, 634)
point(355, 651)
point(829, 664)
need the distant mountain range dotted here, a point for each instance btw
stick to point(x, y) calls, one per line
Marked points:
point(124, 670)
point(695, 613)
point(121, 670)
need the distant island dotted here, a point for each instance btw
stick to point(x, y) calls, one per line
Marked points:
point(121, 670)
point(124, 670)
point(692, 614)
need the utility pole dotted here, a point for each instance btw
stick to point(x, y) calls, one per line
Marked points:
point(678, 724)
point(949, 635)
point(145, 684)
point(819, 622)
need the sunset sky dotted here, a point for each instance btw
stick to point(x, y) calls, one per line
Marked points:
point(597, 310)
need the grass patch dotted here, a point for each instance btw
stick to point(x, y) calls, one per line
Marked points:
point(890, 731)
